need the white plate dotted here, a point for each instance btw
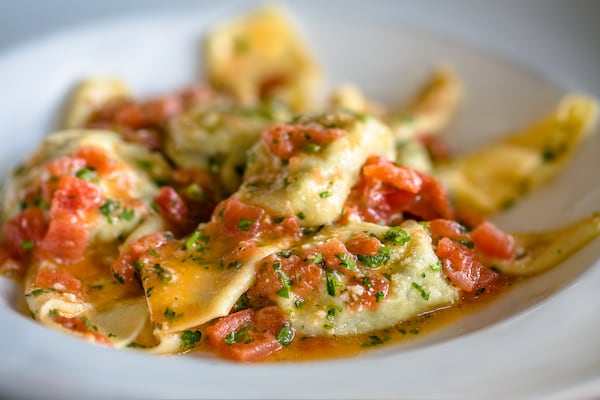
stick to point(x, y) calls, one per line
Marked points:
point(540, 340)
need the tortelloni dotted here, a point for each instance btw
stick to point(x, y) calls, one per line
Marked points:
point(76, 200)
point(306, 169)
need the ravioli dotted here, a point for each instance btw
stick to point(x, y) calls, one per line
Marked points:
point(492, 178)
point(215, 136)
point(315, 183)
point(416, 285)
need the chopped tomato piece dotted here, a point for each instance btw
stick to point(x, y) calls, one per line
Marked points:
point(174, 211)
point(386, 172)
point(200, 190)
point(148, 242)
point(64, 240)
point(386, 192)
point(440, 228)
point(465, 270)
point(285, 140)
point(335, 256)
point(158, 111)
point(24, 231)
point(238, 219)
point(239, 336)
point(82, 325)
point(65, 165)
point(58, 279)
point(432, 201)
point(97, 159)
point(368, 291)
point(237, 257)
point(436, 147)
point(73, 198)
point(364, 245)
point(271, 319)
point(493, 242)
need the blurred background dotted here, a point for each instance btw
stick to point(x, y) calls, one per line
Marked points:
point(559, 38)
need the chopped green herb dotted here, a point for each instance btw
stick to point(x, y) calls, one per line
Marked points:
point(87, 174)
point(318, 259)
point(332, 311)
point(239, 336)
point(421, 291)
point(467, 243)
point(127, 214)
point(285, 335)
point(108, 208)
point(379, 296)
point(373, 340)
point(397, 235)
point(171, 315)
point(149, 291)
point(27, 245)
point(285, 253)
point(298, 302)
point(382, 257)
point(245, 224)
point(324, 195)
point(332, 281)
point(312, 147)
point(436, 266)
point(89, 324)
point(479, 291)
point(243, 302)
point(278, 220)
point(189, 339)
point(53, 312)
point(163, 274)
point(195, 192)
point(346, 261)
point(237, 264)
point(285, 285)
point(300, 215)
point(192, 240)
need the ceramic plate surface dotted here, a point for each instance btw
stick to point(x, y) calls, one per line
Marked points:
point(538, 340)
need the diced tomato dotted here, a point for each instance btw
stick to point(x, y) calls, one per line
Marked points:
point(238, 219)
point(96, 158)
point(64, 240)
point(438, 149)
point(373, 289)
point(440, 228)
point(57, 279)
point(126, 267)
point(386, 172)
point(270, 319)
point(432, 201)
point(24, 231)
point(158, 111)
point(199, 189)
point(65, 165)
point(493, 242)
point(268, 279)
point(336, 256)
point(150, 138)
point(81, 325)
point(151, 241)
point(464, 269)
point(174, 211)
point(130, 115)
point(386, 192)
point(290, 226)
point(363, 244)
point(124, 270)
point(240, 254)
point(238, 336)
point(285, 140)
point(73, 198)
